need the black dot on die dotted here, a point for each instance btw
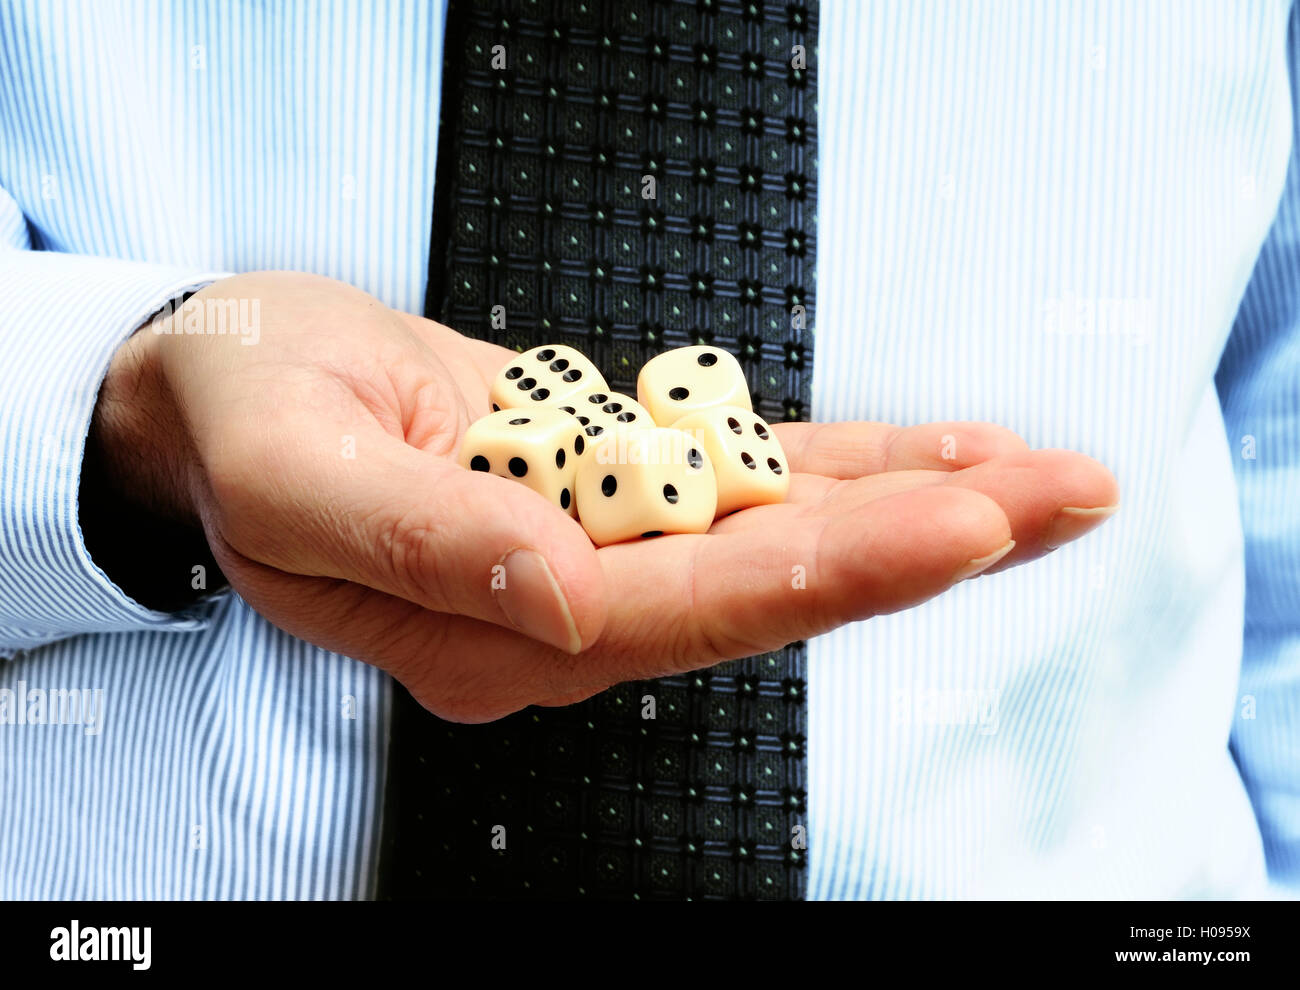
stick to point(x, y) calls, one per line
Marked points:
point(650, 533)
point(518, 467)
point(611, 407)
point(608, 486)
point(526, 384)
point(596, 398)
point(578, 444)
point(539, 394)
point(583, 420)
point(694, 459)
point(545, 355)
point(495, 407)
point(678, 393)
point(514, 373)
point(568, 409)
point(559, 458)
point(735, 426)
point(626, 417)
point(480, 463)
point(707, 360)
point(748, 461)
point(572, 375)
point(595, 431)
point(774, 464)
point(564, 498)
point(761, 430)
point(520, 422)
point(559, 365)
point(670, 494)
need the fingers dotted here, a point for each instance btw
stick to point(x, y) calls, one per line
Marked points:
point(386, 631)
point(472, 544)
point(460, 669)
point(874, 545)
point(851, 450)
point(677, 603)
point(683, 602)
point(397, 520)
point(1051, 497)
point(740, 594)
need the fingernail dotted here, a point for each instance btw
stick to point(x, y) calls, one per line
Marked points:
point(533, 602)
point(1071, 523)
point(973, 567)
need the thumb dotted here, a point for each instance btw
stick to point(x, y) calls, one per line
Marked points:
point(417, 526)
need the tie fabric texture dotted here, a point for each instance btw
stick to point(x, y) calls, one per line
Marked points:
point(623, 178)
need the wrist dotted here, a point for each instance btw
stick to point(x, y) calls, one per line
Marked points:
point(137, 436)
point(137, 518)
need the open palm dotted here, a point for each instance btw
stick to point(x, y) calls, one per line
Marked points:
point(389, 555)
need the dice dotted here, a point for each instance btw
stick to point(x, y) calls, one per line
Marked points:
point(537, 447)
point(689, 448)
point(689, 379)
point(545, 375)
point(747, 458)
point(602, 411)
point(645, 483)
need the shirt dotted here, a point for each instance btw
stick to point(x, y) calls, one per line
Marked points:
point(1060, 217)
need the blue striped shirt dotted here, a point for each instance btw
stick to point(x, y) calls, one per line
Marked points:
point(1064, 217)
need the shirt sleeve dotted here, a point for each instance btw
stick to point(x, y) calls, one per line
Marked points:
point(61, 318)
point(1259, 388)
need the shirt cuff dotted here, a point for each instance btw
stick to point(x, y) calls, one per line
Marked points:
point(63, 317)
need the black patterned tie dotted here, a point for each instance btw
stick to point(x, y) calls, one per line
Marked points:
point(624, 178)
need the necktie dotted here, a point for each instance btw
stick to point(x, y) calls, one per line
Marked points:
point(624, 178)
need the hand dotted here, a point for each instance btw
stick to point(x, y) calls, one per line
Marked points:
point(318, 463)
